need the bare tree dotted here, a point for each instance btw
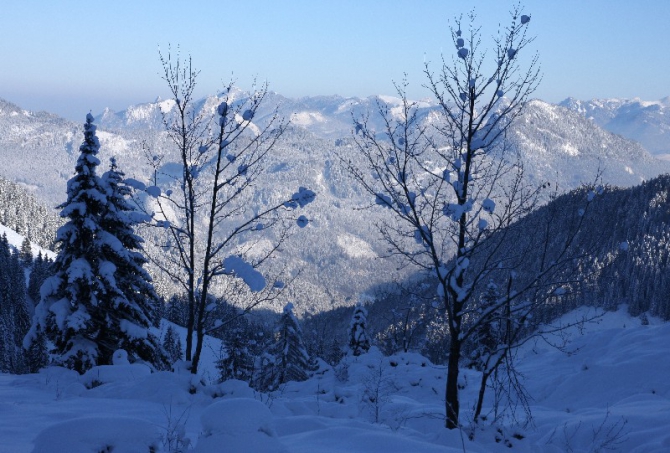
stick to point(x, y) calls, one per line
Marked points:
point(208, 215)
point(454, 185)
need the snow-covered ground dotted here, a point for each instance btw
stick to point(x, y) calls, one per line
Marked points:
point(611, 392)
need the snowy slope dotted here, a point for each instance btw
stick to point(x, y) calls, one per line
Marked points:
point(647, 122)
point(15, 239)
point(609, 393)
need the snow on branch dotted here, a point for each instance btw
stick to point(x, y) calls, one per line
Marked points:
point(236, 266)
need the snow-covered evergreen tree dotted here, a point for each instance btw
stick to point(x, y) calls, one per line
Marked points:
point(172, 345)
point(359, 342)
point(133, 312)
point(26, 253)
point(95, 302)
point(176, 309)
point(40, 271)
point(486, 335)
point(14, 314)
point(72, 310)
point(289, 358)
point(238, 361)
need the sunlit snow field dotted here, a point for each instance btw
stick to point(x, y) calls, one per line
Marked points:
point(611, 392)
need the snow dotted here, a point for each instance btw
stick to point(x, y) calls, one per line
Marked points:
point(139, 217)
point(383, 200)
point(302, 221)
point(153, 191)
point(489, 205)
point(305, 119)
point(133, 330)
point(15, 239)
point(120, 357)
point(95, 434)
point(390, 100)
point(241, 424)
point(355, 247)
point(117, 373)
point(248, 115)
point(235, 265)
point(303, 196)
point(570, 149)
point(613, 380)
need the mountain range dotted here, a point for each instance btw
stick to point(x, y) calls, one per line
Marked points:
point(647, 122)
point(337, 255)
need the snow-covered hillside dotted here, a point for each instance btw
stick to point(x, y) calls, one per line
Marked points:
point(608, 392)
point(557, 145)
point(646, 122)
point(15, 240)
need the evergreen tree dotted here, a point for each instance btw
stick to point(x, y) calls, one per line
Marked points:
point(334, 352)
point(172, 345)
point(176, 310)
point(95, 301)
point(289, 358)
point(73, 310)
point(41, 270)
point(14, 313)
point(133, 311)
point(359, 342)
point(37, 356)
point(487, 335)
point(238, 362)
point(26, 253)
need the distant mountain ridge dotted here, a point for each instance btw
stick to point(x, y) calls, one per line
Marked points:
point(560, 146)
point(338, 253)
point(556, 143)
point(647, 122)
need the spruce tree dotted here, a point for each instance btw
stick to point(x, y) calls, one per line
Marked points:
point(40, 271)
point(96, 300)
point(238, 363)
point(176, 310)
point(73, 311)
point(290, 360)
point(172, 345)
point(14, 313)
point(134, 311)
point(359, 342)
point(26, 253)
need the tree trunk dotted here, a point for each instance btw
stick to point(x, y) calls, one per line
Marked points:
point(480, 396)
point(198, 350)
point(451, 401)
point(190, 325)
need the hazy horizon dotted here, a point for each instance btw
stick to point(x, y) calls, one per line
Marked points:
point(70, 60)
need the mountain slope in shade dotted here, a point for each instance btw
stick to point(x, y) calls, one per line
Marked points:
point(647, 122)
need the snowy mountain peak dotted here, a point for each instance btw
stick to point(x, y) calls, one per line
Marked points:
point(647, 122)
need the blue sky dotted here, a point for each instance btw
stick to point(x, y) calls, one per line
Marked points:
point(71, 57)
